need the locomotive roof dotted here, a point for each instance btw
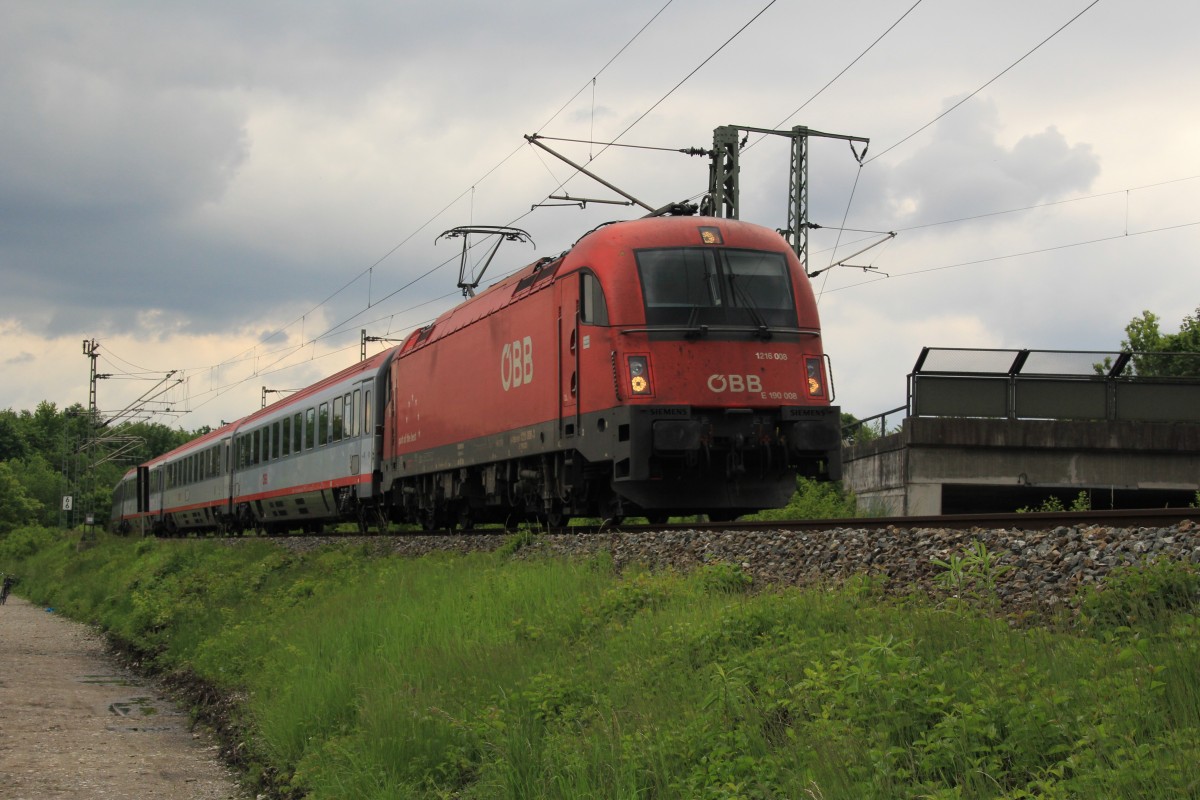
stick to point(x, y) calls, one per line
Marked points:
point(647, 232)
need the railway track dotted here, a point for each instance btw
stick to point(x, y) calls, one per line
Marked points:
point(1033, 521)
point(1030, 521)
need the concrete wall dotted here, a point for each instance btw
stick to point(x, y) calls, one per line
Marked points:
point(905, 473)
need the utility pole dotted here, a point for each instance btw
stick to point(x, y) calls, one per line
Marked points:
point(91, 349)
point(100, 446)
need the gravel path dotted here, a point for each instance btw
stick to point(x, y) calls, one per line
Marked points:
point(75, 724)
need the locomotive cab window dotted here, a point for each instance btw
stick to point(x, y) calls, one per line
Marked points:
point(593, 309)
point(706, 286)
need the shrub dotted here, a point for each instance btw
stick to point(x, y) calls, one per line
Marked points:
point(1144, 593)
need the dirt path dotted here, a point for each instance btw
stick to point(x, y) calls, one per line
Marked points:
point(75, 724)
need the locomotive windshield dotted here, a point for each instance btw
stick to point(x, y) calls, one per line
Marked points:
point(705, 286)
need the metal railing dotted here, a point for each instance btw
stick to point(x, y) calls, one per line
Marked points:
point(854, 432)
point(1055, 384)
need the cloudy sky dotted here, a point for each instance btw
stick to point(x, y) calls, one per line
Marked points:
point(233, 190)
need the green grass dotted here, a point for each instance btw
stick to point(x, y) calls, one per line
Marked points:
point(485, 676)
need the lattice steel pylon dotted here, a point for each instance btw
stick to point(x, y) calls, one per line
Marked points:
point(723, 183)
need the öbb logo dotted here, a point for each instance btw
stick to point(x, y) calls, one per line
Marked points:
point(734, 383)
point(516, 364)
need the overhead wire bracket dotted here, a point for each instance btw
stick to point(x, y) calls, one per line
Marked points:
point(842, 263)
point(534, 139)
point(581, 202)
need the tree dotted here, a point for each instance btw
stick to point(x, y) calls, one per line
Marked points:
point(12, 436)
point(1167, 354)
point(43, 484)
point(16, 508)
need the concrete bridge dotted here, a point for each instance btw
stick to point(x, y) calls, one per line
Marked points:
point(998, 430)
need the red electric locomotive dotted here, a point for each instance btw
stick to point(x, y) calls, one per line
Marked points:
point(662, 366)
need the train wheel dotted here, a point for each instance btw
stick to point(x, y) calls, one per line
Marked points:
point(465, 522)
point(556, 517)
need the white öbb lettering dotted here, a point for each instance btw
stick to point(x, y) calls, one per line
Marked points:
point(734, 383)
point(516, 364)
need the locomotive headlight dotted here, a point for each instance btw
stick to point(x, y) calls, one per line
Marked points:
point(639, 375)
point(816, 388)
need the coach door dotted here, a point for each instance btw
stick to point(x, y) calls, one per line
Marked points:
point(568, 355)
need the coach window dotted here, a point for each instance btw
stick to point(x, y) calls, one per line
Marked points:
point(256, 446)
point(337, 419)
point(323, 424)
point(357, 404)
point(297, 433)
point(310, 428)
point(348, 426)
point(367, 413)
point(286, 443)
point(593, 309)
point(274, 440)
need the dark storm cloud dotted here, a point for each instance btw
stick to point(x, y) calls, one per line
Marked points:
point(125, 123)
